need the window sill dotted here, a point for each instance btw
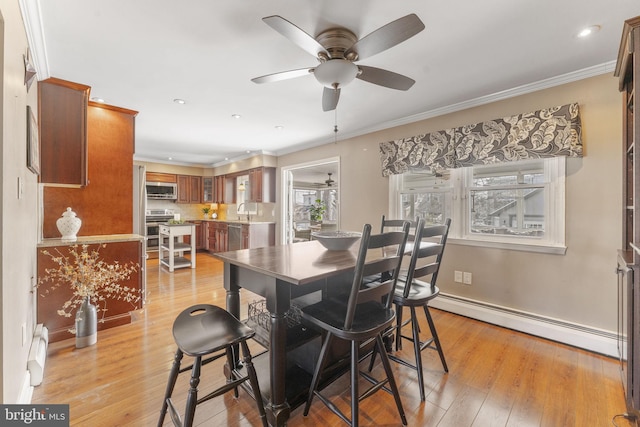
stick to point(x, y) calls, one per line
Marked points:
point(525, 247)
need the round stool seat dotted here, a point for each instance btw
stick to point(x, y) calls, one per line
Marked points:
point(202, 329)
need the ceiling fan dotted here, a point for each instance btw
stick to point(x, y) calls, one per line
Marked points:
point(338, 49)
point(329, 181)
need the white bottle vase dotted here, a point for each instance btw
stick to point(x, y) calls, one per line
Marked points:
point(68, 225)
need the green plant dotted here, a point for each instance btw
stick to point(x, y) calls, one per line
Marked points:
point(317, 210)
point(206, 210)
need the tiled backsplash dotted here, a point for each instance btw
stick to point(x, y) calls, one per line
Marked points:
point(264, 211)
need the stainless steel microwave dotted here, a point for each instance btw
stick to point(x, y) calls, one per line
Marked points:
point(162, 190)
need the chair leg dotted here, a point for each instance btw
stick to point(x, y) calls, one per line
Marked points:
point(417, 351)
point(231, 363)
point(398, 327)
point(436, 340)
point(253, 381)
point(355, 375)
point(173, 376)
point(322, 360)
point(372, 361)
point(192, 397)
point(392, 382)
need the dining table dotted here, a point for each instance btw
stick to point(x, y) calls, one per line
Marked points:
point(281, 274)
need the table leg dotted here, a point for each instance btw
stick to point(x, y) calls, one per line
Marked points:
point(279, 409)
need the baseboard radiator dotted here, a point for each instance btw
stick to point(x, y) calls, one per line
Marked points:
point(588, 338)
point(38, 354)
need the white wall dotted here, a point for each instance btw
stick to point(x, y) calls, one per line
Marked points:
point(577, 289)
point(19, 215)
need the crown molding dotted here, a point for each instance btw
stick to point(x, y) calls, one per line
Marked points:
point(32, 18)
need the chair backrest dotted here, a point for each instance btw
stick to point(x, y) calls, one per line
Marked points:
point(392, 244)
point(394, 224)
point(429, 243)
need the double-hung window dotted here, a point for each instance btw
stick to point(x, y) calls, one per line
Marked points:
point(515, 205)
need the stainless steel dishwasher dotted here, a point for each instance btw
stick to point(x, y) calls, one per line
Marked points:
point(235, 237)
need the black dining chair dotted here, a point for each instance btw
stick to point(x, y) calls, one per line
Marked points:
point(204, 330)
point(361, 318)
point(413, 291)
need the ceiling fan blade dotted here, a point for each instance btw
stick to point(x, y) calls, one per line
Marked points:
point(284, 75)
point(384, 78)
point(330, 99)
point(295, 34)
point(386, 36)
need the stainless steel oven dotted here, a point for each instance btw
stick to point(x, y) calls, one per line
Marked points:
point(155, 217)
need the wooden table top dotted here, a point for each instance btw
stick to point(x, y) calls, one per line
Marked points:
point(297, 263)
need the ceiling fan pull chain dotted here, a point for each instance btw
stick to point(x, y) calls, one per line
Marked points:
point(335, 127)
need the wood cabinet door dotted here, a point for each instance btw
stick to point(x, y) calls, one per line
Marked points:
point(218, 194)
point(195, 189)
point(207, 190)
point(161, 177)
point(62, 115)
point(255, 184)
point(184, 189)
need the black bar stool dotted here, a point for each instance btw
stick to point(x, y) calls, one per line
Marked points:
point(203, 330)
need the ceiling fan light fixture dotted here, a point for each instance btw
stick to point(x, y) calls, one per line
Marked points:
point(336, 73)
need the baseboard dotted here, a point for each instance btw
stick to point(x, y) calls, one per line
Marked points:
point(596, 340)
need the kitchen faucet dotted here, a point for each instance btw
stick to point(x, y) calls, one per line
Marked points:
point(248, 215)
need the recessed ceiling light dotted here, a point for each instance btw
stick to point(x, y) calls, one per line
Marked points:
point(236, 116)
point(179, 101)
point(169, 158)
point(226, 158)
point(279, 127)
point(96, 99)
point(589, 30)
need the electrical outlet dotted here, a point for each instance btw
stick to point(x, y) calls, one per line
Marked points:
point(24, 334)
point(457, 276)
point(466, 278)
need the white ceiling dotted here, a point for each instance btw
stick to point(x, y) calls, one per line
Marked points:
point(143, 54)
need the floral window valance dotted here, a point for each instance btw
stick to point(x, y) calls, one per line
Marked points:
point(545, 133)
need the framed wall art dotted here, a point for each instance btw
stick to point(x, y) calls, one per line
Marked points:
point(33, 143)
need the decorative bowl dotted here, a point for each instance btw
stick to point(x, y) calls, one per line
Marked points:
point(336, 240)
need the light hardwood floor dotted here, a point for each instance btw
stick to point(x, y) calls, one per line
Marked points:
point(497, 377)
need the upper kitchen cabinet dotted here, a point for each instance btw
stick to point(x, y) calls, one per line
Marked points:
point(62, 114)
point(224, 189)
point(161, 177)
point(189, 189)
point(104, 205)
point(207, 189)
point(262, 185)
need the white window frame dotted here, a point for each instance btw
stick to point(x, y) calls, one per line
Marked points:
point(553, 241)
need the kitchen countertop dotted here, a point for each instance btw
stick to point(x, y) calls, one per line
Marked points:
point(233, 221)
point(88, 240)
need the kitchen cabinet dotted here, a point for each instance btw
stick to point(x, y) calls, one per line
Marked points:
point(62, 114)
point(189, 189)
point(122, 249)
point(207, 190)
point(161, 177)
point(218, 236)
point(262, 185)
point(200, 233)
point(258, 235)
point(105, 205)
point(628, 72)
point(224, 189)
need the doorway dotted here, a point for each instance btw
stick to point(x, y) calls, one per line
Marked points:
point(312, 199)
